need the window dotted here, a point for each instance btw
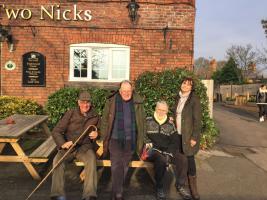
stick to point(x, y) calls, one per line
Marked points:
point(99, 62)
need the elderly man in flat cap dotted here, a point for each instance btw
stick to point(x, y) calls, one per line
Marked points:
point(69, 128)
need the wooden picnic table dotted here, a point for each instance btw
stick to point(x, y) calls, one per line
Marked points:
point(13, 133)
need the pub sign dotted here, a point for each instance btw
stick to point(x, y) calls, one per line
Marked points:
point(33, 73)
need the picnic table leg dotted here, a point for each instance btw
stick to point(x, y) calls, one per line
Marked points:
point(2, 145)
point(25, 161)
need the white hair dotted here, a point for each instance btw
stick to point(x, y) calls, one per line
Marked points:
point(162, 103)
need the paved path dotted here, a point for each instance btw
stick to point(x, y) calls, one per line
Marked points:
point(240, 128)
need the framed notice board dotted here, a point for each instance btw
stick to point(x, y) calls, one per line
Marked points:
point(33, 73)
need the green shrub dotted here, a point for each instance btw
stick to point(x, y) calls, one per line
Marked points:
point(10, 105)
point(165, 85)
point(64, 99)
point(153, 86)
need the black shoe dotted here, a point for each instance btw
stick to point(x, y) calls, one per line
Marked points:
point(58, 198)
point(183, 192)
point(160, 194)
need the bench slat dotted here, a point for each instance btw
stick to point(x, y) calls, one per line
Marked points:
point(107, 163)
point(45, 149)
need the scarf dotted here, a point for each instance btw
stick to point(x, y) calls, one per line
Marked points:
point(160, 121)
point(179, 109)
point(119, 116)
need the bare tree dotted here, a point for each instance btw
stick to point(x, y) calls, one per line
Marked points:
point(243, 56)
point(220, 64)
point(263, 56)
point(201, 62)
point(262, 60)
point(264, 26)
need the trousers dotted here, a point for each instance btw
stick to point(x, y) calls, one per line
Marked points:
point(120, 158)
point(160, 165)
point(90, 182)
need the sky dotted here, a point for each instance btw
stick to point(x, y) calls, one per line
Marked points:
point(223, 23)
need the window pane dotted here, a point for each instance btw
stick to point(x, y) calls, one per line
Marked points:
point(119, 64)
point(99, 63)
point(80, 63)
point(118, 74)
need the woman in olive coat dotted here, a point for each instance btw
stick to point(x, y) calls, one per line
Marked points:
point(188, 116)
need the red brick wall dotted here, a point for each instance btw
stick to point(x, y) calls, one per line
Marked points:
point(110, 24)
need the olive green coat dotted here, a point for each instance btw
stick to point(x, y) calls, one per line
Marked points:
point(190, 123)
point(108, 119)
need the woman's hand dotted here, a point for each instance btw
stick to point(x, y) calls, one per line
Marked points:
point(149, 145)
point(193, 142)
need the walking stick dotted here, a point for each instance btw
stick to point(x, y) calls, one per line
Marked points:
point(69, 150)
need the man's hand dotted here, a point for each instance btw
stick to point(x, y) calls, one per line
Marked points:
point(193, 142)
point(67, 145)
point(93, 135)
point(149, 145)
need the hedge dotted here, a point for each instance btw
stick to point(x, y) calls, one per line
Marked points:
point(153, 86)
point(10, 105)
point(64, 99)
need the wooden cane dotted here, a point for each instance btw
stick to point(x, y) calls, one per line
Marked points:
point(62, 158)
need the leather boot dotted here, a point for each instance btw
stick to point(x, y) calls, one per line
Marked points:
point(184, 193)
point(193, 187)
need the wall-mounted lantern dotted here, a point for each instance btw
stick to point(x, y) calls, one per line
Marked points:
point(6, 36)
point(132, 9)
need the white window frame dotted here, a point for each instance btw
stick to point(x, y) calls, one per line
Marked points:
point(88, 47)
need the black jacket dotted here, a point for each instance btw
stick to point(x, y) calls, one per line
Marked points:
point(261, 96)
point(161, 136)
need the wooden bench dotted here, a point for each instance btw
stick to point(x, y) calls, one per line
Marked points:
point(240, 100)
point(107, 163)
point(42, 153)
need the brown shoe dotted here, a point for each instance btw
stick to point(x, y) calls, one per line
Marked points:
point(193, 187)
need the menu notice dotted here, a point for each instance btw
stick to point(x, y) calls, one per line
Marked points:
point(33, 74)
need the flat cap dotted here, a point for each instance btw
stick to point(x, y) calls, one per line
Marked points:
point(84, 96)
